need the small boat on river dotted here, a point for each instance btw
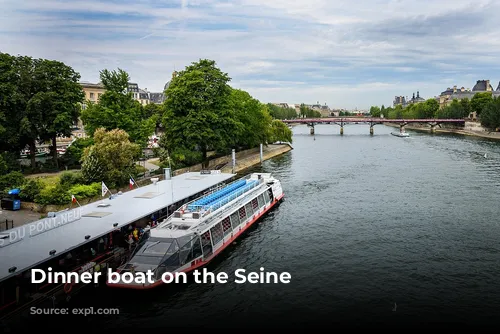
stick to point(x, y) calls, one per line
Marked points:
point(400, 134)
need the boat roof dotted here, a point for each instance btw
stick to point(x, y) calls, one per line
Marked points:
point(96, 220)
point(217, 203)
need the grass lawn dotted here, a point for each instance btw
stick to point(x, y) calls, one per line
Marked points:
point(49, 178)
point(155, 162)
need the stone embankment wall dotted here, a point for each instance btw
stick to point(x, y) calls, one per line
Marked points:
point(469, 129)
point(250, 161)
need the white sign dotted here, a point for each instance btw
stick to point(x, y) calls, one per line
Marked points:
point(41, 226)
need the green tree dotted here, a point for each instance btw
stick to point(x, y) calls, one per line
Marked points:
point(253, 118)
point(112, 157)
point(197, 113)
point(280, 132)
point(479, 101)
point(117, 109)
point(490, 118)
point(21, 121)
point(430, 108)
point(38, 101)
point(466, 106)
point(375, 111)
point(57, 100)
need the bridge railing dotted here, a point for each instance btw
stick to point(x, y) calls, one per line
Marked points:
point(373, 120)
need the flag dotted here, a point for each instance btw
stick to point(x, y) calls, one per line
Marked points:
point(73, 199)
point(104, 189)
point(131, 183)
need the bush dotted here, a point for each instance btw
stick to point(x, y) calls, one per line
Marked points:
point(69, 179)
point(85, 191)
point(53, 194)
point(11, 181)
point(31, 189)
point(71, 158)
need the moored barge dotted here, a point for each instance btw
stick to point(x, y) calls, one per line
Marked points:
point(90, 238)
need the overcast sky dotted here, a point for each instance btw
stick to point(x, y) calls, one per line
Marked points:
point(347, 54)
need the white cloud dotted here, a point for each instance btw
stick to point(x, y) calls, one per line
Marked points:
point(345, 53)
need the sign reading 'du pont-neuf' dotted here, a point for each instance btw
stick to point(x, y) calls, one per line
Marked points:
point(30, 230)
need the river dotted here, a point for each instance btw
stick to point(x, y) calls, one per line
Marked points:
point(373, 229)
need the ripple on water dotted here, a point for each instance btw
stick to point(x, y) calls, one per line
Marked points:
point(367, 221)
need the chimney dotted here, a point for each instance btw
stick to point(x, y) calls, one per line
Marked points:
point(454, 89)
point(488, 86)
point(462, 89)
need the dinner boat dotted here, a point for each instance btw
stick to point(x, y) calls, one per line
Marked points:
point(197, 232)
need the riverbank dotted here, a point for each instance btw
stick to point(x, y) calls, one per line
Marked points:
point(467, 131)
point(244, 159)
point(252, 160)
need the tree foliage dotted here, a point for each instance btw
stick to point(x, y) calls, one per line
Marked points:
point(278, 112)
point(253, 119)
point(39, 101)
point(111, 159)
point(197, 114)
point(116, 109)
point(308, 112)
point(490, 114)
point(203, 113)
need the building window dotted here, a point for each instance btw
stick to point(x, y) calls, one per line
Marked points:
point(91, 96)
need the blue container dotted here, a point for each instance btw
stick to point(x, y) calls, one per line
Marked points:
point(16, 205)
point(14, 191)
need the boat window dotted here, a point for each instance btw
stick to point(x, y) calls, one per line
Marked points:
point(226, 226)
point(266, 197)
point(235, 220)
point(242, 213)
point(195, 251)
point(216, 232)
point(255, 204)
point(185, 240)
point(206, 244)
point(158, 247)
point(260, 200)
point(248, 209)
point(146, 260)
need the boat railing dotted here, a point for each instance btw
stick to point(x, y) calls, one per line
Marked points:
point(220, 214)
point(208, 208)
point(191, 205)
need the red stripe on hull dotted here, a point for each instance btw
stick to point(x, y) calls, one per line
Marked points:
point(200, 263)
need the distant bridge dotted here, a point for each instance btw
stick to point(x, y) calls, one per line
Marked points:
point(433, 122)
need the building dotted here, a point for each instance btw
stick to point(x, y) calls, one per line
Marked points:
point(481, 86)
point(401, 100)
point(146, 97)
point(93, 92)
point(323, 109)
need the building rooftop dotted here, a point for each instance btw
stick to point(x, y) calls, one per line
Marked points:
point(29, 245)
point(482, 86)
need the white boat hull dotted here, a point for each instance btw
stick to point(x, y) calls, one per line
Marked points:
point(400, 134)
